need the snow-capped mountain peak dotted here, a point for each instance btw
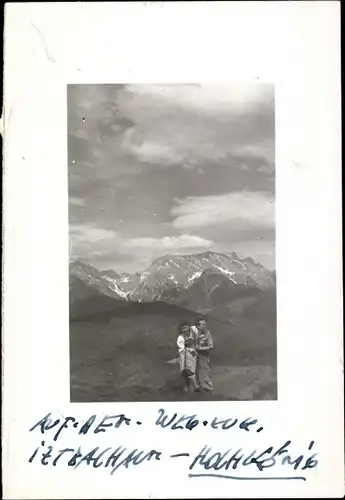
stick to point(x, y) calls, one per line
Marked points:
point(176, 278)
point(194, 276)
point(173, 279)
point(115, 288)
point(143, 276)
point(226, 272)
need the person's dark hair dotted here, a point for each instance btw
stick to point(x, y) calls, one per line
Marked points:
point(198, 320)
point(182, 324)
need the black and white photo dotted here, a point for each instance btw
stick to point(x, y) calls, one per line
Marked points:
point(172, 300)
point(172, 279)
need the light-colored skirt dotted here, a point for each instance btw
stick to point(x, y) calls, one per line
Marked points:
point(187, 362)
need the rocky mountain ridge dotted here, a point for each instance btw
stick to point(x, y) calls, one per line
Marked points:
point(206, 279)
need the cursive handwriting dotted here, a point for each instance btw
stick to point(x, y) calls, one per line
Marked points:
point(95, 424)
point(47, 423)
point(108, 457)
point(207, 463)
point(175, 422)
point(216, 461)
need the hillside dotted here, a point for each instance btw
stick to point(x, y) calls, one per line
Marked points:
point(209, 291)
point(85, 300)
point(123, 356)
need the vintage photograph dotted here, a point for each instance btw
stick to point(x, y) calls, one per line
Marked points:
point(172, 280)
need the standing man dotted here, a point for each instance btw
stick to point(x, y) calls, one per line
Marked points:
point(204, 346)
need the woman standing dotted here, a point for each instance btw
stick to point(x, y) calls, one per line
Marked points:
point(187, 357)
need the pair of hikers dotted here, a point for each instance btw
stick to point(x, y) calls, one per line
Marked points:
point(194, 345)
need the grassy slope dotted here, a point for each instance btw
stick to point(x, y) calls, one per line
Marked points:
point(122, 355)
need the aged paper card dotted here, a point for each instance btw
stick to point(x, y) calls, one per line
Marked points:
point(172, 250)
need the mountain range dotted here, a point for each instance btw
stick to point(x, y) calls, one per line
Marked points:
point(201, 282)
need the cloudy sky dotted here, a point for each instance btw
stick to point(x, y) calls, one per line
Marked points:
point(164, 169)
